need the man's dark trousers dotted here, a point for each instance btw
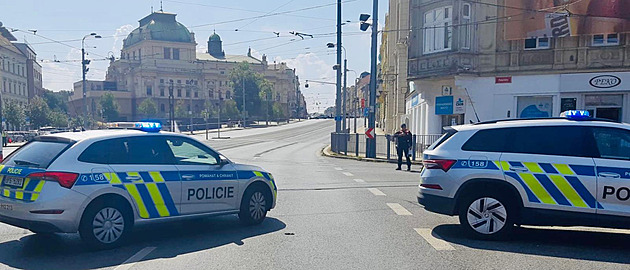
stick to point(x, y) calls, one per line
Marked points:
point(403, 151)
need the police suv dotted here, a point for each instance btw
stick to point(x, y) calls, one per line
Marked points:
point(568, 171)
point(102, 183)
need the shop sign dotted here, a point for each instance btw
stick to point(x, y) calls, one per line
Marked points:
point(444, 105)
point(498, 80)
point(605, 81)
point(460, 106)
point(568, 104)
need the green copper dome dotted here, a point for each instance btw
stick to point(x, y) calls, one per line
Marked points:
point(159, 26)
point(215, 37)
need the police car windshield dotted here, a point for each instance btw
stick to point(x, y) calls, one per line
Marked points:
point(37, 154)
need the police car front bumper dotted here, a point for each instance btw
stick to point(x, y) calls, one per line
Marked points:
point(437, 204)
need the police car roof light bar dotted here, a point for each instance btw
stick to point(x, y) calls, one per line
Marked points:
point(149, 126)
point(576, 114)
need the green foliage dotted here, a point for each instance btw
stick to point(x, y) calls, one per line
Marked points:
point(256, 87)
point(109, 107)
point(57, 101)
point(14, 114)
point(230, 109)
point(38, 112)
point(148, 108)
point(58, 119)
point(279, 111)
point(181, 109)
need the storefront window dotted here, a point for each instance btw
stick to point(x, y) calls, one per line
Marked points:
point(533, 107)
point(604, 106)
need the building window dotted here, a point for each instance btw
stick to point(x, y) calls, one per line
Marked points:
point(176, 54)
point(134, 55)
point(220, 83)
point(161, 80)
point(438, 32)
point(466, 26)
point(228, 95)
point(211, 94)
point(162, 92)
point(196, 94)
point(187, 93)
point(162, 107)
point(139, 54)
point(179, 81)
point(179, 92)
point(167, 53)
point(606, 40)
point(537, 43)
point(149, 91)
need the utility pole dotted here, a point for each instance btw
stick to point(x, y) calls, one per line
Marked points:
point(371, 143)
point(345, 85)
point(219, 117)
point(244, 110)
point(171, 106)
point(190, 109)
point(338, 100)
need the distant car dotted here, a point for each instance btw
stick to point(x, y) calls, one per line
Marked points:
point(103, 183)
point(572, 171)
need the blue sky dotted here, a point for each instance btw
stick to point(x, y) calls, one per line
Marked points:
point(70, 20)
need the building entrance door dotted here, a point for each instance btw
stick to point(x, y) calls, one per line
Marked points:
point(605, 106)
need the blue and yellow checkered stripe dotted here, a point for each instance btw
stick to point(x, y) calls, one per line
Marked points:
point(150, 193)
point(548, 183)
point(29, 192)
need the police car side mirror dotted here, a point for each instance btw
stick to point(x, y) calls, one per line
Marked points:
point(223, 161)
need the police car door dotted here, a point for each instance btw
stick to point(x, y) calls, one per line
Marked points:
point(145, 167)
point(613, 170)
point(552, 166)
point(207, 185)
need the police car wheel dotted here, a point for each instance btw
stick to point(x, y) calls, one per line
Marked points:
point(105, 225)
point(486, 217)
point(254, 206)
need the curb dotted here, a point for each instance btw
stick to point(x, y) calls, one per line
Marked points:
point(328, 153)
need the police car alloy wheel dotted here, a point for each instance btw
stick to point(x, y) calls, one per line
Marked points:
point(254, 206)
point(105, 224)
point(486, 217)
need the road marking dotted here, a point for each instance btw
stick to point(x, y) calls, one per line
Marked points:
point(359, 180)
point(339, 169)
point(376, 192)
point(399, 209)
point(436, 243)
point(135, 258)
point(348, 174)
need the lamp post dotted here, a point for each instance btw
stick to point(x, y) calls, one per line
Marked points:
point(84, 69)
point(345, 83)
point(171, 106)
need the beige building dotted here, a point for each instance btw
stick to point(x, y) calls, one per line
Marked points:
point(161, 54)
point(13, 70)
point(394, 65)
point(469, 62)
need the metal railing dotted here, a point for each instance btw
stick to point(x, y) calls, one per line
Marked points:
point(354, 144)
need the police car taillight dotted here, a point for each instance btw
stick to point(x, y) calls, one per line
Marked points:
point(576, 114)
point(442, 164)
point(64, 179)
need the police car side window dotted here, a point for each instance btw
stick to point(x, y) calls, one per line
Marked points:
point(189, 152)
point(100, 152)
point(487, 140)
point(612, 143)
point(551, 140)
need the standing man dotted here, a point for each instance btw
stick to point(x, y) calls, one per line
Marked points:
point(403, 144)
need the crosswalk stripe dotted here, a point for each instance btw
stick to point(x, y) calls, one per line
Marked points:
point(348, 174)
point(436, 243)
point(399, 209)
point(376, 192)
point(359, 180)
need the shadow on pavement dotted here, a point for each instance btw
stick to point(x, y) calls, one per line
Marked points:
point(65, 251)
point(563, 243)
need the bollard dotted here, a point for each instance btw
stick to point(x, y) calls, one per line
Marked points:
point(413, 146)
point(389, 145)
point(357, 144)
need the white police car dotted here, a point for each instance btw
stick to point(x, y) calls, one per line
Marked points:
point(572, 171)
point(102, 183)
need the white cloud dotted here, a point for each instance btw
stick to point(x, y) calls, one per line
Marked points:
point(120, 34)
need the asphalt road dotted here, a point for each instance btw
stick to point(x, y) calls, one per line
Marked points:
point(331, 214)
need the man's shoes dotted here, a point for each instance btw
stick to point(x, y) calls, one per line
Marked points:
point(409, 169)
point(398, 169)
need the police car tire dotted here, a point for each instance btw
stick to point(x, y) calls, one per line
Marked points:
point(251, 216)
point(503, 206)
point(86, 228)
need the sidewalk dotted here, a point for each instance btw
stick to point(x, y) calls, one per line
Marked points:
point(327, 152)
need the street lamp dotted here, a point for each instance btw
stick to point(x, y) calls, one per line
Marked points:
point(345, 81)
point(84, 68)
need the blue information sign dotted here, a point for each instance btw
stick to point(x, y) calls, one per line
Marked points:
point(444, 105)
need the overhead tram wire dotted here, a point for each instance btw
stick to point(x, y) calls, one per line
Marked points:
point(274, 10)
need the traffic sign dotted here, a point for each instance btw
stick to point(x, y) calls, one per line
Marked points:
point(366, 112)
point(370, 133)
point(338, 118)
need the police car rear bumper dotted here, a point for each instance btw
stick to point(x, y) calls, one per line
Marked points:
point(36, 226)
point(437, 204)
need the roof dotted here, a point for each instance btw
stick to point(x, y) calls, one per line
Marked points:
point(5, 43)
point(159, 26)
point(214, 37)
point(540, 122)
point(103, 133)
point(228, 58)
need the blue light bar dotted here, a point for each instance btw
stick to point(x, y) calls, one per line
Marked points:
point(148, 126)
point(576, 114)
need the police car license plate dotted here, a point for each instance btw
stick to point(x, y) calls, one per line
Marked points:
point(6, 207)
point(13, 181)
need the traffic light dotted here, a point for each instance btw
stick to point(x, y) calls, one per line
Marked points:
point(364, 23)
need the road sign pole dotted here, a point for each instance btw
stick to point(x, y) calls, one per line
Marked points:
point(371, 143)
point(338, 99)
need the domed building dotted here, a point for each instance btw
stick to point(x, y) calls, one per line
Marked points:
point(160, 55)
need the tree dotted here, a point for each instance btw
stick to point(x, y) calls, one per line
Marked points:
point(181, 109)
point(230, 109)
point(58, 119)
point(279, 110)
point(14, 114)
point(148, 108)
point(242, 73)
point(57, 101)
point(38, 112)
point(109, 107)
point(266, 95)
